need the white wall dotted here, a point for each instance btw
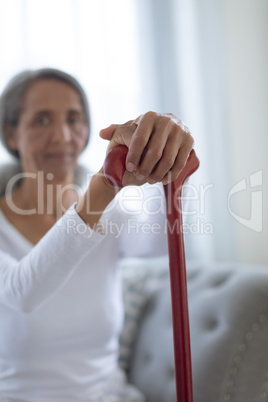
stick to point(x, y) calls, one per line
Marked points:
point(246, 62)
point(85, 39)
point(232, 61)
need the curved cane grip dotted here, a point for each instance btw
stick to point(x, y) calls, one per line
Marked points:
point(114, 165)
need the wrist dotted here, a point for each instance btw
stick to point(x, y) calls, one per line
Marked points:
point(107, 188)
point(97, 197)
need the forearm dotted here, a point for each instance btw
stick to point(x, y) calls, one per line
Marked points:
point(28, 283)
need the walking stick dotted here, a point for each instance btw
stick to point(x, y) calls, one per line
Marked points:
point(114, 169)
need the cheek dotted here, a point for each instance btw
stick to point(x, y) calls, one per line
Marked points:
point(80, 140)
point(32, 143)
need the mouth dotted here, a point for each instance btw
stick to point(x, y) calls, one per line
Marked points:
point(60, 156)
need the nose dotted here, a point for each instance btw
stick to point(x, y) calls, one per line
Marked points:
point(61, 133)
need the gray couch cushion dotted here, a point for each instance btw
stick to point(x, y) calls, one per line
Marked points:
point(229, 335)
point(140, 278)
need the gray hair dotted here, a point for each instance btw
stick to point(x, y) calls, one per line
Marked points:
point(11, 99)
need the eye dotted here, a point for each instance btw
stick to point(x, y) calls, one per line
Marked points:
point(75, 120)
point(43, 121)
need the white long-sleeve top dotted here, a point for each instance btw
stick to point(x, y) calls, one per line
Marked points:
point(61, 309)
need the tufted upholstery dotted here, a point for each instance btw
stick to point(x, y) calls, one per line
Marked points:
point(228, 307)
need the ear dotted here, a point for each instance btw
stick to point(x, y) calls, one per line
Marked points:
point(11, 136)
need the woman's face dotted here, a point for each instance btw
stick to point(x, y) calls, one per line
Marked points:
point(52, 131)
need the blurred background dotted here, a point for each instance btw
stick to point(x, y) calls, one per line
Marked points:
point(206, 61)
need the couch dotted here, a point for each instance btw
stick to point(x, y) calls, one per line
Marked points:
point(228, 307)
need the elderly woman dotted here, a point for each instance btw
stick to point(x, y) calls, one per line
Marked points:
point(60, 303)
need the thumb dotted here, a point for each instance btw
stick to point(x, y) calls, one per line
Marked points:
point(107, 133)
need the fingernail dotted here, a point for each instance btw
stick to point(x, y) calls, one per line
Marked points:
point(165, 181)
point(130, 166)
point(151, 181)
point(140, 177)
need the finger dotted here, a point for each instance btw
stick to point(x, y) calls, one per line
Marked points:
point(107, 133)
point(139, 140)
point(156, 149)
point(179, 122)
point(167, 160)
point(175, 141)
point(130, 179)
point(122, 135)
point(179, 163)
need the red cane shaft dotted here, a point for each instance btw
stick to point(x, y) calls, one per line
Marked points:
point(178, 282)
point(114, 168)
point(179, 301)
